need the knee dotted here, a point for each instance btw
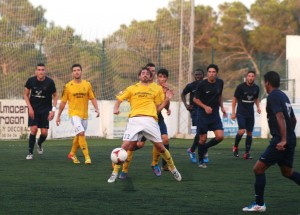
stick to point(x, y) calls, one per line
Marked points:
point(241, 132)
point(249, 133)
point(219, 138)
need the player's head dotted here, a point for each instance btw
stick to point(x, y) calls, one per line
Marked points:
point(40, 71)
point(151, 67)
point(250, 78)
point(162, 76)
point(198, 74)
point(145, 75)
point(272, 80)
point(77, 71)
point(212, 71)
point(213, 66)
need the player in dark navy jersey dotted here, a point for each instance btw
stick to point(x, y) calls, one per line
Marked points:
point(209, 99)
point(38, 94)
point(246, 94)
point(192, 108)
point(281, 150)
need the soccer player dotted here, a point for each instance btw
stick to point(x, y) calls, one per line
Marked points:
point(245, 95)
point(192, 108)
point(281, 150)
point(145, 101)
point(162, 77)
point(208, 97)
point(162, 86)
point(78, 92)
point(38, 94)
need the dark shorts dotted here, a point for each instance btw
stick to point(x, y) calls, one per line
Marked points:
point(162, 127)
point(40, 120)
point(209, 123)
point(272, 156)
point(245, 122)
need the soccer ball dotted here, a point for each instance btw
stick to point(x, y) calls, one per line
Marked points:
point(118, 156)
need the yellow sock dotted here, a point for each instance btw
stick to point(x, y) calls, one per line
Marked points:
point(74, 146)
point(168, 158)
point(116, 168)
point(126, 164)
point(155, 156)
point(83, 146)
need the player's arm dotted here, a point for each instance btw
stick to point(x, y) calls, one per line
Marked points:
point(198, 102)
point(117, 106)
point(233, 106)
point(183, 98)
point(60, 109)
point(54, 103)
point(257, 105)
point(222, 107)
point(27, 100)
point(282, 130)
point(95, 104)
point(169, 95)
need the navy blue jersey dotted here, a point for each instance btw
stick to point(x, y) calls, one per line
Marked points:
point(246, 96)
point(41, 94)
point(191, 89)
point(210, 94)
point(277, 101)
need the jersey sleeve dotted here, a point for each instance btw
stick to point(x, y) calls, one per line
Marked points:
point(91, 94)
point(186, 90)
point(238, 91)
point(160, 96)
point(123, 95)
point(64, 97)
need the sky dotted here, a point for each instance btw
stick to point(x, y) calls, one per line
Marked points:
point(97, 19)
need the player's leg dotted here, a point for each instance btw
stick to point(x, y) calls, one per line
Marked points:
point(32, 123)
point(239, 135)
point(201, 147)
point(248, 142)
point(166, 143)
point(286, 165)
point(43, 124)
point(72, 155)
point(80, 126)
point(191, 151)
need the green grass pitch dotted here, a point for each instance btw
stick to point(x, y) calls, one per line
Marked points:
point(52, 184)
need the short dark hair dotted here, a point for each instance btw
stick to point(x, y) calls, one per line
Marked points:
point(163, 71)
point(145, 68)
point(251, 71)
point(40, 64)
point(213, 66)
point(150, 64)
point(273, 78)
point(77, 65)
point(199, 70)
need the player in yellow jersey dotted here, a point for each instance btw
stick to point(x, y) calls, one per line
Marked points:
point(145, 102)
point(77, 93)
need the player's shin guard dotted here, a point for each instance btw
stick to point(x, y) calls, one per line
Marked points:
point(155, 156)
point(164, 163)
point(116, 168)
point(168, 158)
point(83, 146)
point(42, 138)
point(126, 164)
point(259, 186)
point(32, 140)
point(75, 145)
point(248, 143)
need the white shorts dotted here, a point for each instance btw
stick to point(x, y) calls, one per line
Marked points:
point(79, 125)
point(142, 126)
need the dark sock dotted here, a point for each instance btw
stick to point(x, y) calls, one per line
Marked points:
point(164, 163)
point(195, 143)
point(31, 141)
point(296, 177)
point(259, 186)
point(201, 152)
point(212, 143)
point(237, 140)
point(41, 139)
point(248, 143)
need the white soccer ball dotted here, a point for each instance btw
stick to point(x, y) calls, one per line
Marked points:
point(118, 155)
